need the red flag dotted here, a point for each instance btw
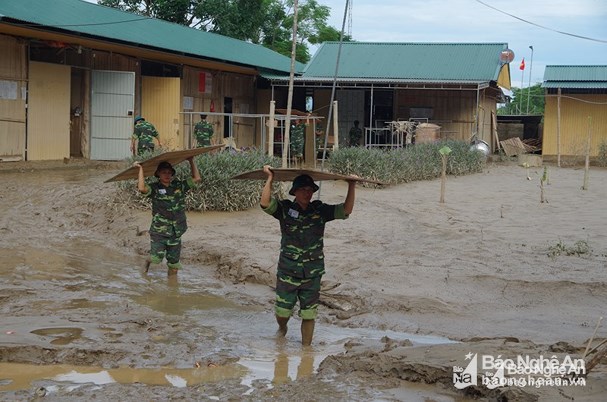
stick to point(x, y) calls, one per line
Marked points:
point(522, 66)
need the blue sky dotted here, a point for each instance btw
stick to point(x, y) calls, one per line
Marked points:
point(471, 21)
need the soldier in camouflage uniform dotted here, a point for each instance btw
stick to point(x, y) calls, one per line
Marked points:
point(297, 140)
point(355, 134)
point(143, 136)
point(168, 213)
point(301, 263)
point(203, 131)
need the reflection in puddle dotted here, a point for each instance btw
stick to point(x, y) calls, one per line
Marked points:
point(63, 336)
point(172, 301)
point(21, 376)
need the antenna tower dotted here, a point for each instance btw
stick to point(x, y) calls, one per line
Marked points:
point(350, 4)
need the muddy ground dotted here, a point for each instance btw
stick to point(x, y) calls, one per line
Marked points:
point(413, 286)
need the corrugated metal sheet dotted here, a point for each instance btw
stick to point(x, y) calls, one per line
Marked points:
point(581, 77)
point(90, 19)
point(417, 62)
point(48, 125)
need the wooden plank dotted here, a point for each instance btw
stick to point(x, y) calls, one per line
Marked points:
point(290, 174)
point(150, 165)
point(494, 123)
point(513, 146)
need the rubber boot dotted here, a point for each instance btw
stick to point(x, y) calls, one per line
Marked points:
point(146, 265)
point(307, 332)
point(282, 325)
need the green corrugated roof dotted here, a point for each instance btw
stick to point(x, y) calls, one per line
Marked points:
point(407, 62)
point(570, 77)
point(84, 18)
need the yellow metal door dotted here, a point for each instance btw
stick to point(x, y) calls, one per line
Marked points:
point(48, 115)
point(160, 105)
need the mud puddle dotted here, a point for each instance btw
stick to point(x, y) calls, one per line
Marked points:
point(106, 322)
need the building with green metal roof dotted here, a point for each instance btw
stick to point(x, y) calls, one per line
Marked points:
point(83, 71)
point(454, 85)
point(575, 114)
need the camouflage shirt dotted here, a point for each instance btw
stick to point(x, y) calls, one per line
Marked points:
point(301, 246)
point(356, 134)
point(168, 207)
point(144, 133)
point(203, 131)
point(297, 139)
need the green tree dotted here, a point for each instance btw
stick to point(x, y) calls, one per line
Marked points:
point(265, 22)
point(534, 95)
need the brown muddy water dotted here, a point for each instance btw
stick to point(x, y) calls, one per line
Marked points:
point(80, 321)
point(82, 296)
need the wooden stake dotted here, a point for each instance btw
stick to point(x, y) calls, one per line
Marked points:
point(587, 166)
point(592, 337)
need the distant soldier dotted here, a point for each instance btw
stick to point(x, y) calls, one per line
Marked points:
point(168, 212)
point(203, 131)
point(297, 140)
point(143, 137)
point(356, 134)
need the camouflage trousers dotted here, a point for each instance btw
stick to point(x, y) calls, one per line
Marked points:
point(290, 289)
point(142, 149)
point(165, 246)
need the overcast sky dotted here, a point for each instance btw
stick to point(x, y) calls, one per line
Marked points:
point(470, 21)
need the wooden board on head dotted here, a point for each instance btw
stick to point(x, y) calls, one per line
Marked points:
point(290, 174)
point(150, 165)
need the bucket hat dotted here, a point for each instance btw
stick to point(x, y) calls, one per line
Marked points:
point(303, 180)
point(164, 165)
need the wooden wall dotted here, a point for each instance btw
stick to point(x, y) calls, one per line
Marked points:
point(453, 110)
point(575, 124)
point(239, 87)
point(13, 84)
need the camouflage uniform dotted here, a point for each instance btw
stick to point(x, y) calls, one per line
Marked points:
point(298, 133)
point(203, 131)
point(356, 134)
point(144, 133)
point(168, 220)
point(301, 263)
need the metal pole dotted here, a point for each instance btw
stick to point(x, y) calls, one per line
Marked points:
point(530, 69)
point(520, 104)
point(286, 141)
point(330, 115)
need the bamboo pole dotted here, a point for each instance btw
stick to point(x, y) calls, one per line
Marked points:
point(558, 129)
point(271, 128)
point(335, 126)
point(444, 154)
point(285, 140)
point(587, 165)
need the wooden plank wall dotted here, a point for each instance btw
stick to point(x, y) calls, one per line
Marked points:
point(575, 110)
point(453, 110)
point(239, 87)
point(13, 74)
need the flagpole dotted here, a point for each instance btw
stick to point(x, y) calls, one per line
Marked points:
point(529, 90)
point(522, 67)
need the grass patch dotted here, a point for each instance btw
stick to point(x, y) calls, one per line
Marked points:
point(419, 162)
point(579, 248)
point(216, 191)
point(602, 156)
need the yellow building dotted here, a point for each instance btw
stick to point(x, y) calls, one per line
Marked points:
point(576, 111)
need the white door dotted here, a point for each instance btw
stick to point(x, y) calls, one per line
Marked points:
point(112, 105)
